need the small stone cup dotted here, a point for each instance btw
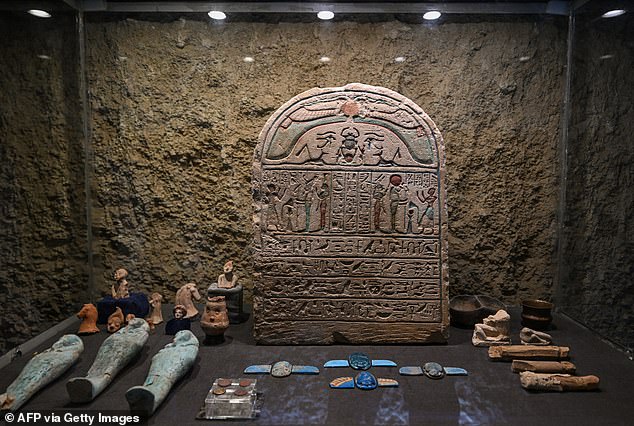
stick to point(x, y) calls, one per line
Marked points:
point(536, 314)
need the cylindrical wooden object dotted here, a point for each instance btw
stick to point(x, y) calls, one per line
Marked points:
point(557, 382)
point(509, 353)
point(543, 366)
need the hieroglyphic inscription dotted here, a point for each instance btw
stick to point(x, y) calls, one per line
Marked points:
point(350, 211)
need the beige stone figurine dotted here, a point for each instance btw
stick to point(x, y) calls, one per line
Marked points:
point(156, 316)
point(494, 331)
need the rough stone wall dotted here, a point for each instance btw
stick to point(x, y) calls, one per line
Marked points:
point(42, 215)
point(176, 113)
point(598, 234)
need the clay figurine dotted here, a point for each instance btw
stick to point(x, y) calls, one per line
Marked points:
point(122, 297)
point(156, 316)
point(115, 321)
point(364, 381)
point(42, 369)
point(433, 370)
point(227, 286)
point(168, 366)
point(179, 322)
point(185, 296)
point(88, 315)
point(494, 331)
point(532, 337)
point(359, 361)
point(214, 320)
point(121, 289)
point(281, 369)
point(114, 354)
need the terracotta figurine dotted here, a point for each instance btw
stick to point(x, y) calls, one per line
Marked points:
point(168, 366)
point(115, 321)
point(88, 315)
point(185, 296)
point(494, 330)
point(214, 320)
point(227, 286)
point(531, 337)
point(122, 289)
point(114, 354)
point(156, 316)
point(179, 322)
point(42, 369)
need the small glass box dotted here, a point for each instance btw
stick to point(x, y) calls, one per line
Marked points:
point(231, 399)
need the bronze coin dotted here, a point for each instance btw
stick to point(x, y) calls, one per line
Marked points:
point(240, 392)
point(245, 383)
point(224, 382)
point(219, 391)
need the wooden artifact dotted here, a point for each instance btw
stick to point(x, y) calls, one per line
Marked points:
point(185, 296)
point(509, 353)
point(543, 366)
point(168, 366)
point(88, 315)
point(114, 354)
point(557, 382)
point(494, 331)
point(42, 369)
point(350, 223)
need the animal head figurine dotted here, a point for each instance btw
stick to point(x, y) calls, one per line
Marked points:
point(185, 296)
point(88, 315)
point(115, 321)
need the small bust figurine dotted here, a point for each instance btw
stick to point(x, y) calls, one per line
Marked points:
point(228, 286)
point(185, 296)
point(179, 322)
point(88, 315)
point(156, 316)
point(122, 289)
point(115, 321)
point(227, 279)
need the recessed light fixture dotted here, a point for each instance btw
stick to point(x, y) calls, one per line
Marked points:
point(604, 57)
point(46, 57)
point(431, 15)
point(399, 59)
point(324, 59)
point(613, 13)
point(248, 59)
point(325, 15)
point(524, 58)
point(216, 14)
point(39, 13)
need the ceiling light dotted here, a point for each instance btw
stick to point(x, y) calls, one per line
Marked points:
point(216, 14)
point(430, 16)
point(399, 59)
point(608, 56)
point(325, 15)
point(39, 13)
point(324, 59)
point(248, 59)
point(524, 58)
point(613, 13)
point(44, 57)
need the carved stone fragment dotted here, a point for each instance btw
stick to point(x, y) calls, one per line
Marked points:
point(557, 382)
point(494, 331)
point(509, 353)
point(543, 366)
point(350, 221)
point(532, 337)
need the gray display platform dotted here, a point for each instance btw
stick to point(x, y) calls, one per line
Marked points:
point(491, 394)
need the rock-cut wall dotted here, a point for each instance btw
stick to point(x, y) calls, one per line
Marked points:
point(177, 109)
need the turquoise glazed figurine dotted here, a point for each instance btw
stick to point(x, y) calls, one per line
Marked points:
point(42, 369)
point(364, 381)
point(359, 361)
point(281, 369)
point(114, 354)
point(168, 366)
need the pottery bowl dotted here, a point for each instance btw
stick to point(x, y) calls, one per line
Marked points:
point(536, 314)
point(466, 311)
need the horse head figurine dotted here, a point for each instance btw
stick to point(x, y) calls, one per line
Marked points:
point(88, 315)
point(185, 296)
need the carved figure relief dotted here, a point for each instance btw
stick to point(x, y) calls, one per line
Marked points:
point(350, 220)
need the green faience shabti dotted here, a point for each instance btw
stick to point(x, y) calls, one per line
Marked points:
point(114, 354)
point(168, 366)
point(42, 369)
